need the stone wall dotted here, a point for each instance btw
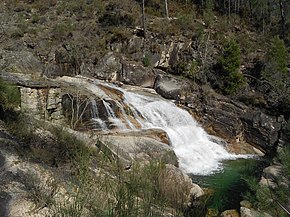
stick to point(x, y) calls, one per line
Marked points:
point(43, 103)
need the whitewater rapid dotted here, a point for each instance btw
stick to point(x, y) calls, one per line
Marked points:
point(197, 154)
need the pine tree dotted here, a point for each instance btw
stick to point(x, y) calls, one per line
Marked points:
point(230, 64)
point(276, 71)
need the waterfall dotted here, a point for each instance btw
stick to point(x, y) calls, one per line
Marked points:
point(112, 117)
point(197, 154)
point(98, 122)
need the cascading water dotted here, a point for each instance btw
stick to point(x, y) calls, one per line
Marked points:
point(196, 153)
point(98, 122)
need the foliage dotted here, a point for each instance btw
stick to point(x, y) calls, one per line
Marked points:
point(9, 95)
point(146, 60)
point(62, 29)
point(114, 17)
point(95, 184)
point(230, 63)
point(276, 71)
point(193, 70)
point(272, 199)
point(138, 192)
point(40, 191)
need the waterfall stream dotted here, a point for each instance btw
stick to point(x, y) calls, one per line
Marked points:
point(196, 152)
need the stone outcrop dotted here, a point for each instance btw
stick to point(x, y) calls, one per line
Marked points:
point(236, 122)
point(223, 116)
point(20, 62)
point(246, 212)
point(135, 74)
point(43, 103)
point(141, 148)
point(171, 87)
point(107, 68)
point(260, 129)
point(230, 213)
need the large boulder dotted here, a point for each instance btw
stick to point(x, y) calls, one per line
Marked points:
point(260, 129)
point(107, 68)
point(135, 74)
point(140, 147)
point(246, 212)
point(222, 116)
point(171, 87)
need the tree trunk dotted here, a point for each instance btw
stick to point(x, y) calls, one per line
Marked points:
point(229, 8)
point(166, 9)
point(143, 18)
point(282, 14)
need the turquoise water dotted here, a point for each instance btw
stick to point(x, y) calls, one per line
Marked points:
point(228, 185)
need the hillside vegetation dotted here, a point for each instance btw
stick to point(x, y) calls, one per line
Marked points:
point(235, 48)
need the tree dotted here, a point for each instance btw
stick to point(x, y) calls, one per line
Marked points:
point(230, 64)
point(143, 18)
point(276, 71)
point(166, 8)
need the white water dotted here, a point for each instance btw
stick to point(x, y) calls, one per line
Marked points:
point(196, 153)
point(99, 123)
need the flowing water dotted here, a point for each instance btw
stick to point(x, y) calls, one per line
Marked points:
point(196, 152)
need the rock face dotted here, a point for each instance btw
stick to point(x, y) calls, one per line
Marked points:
point(171, 88)
point(237, 122)
point(21, 62)
point(261, 129)
point(43, 103)
point(107, 68)
point(224, 115)
point(140, 148)
point(134, 74)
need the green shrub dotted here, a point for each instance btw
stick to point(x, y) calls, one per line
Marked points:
point(276, 70)
point(269, 199)
point(230, 62)
point(9, 95)
point(146, 61)
point(62, 29)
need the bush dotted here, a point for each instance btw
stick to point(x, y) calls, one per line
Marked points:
point(272, 199)
point(9, 95)
point(276, 70)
